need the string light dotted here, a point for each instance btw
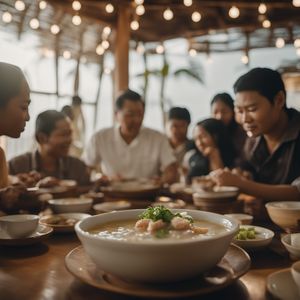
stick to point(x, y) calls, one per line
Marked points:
point(188, 2)
point(234, 12)
point(298, 52)
point(105, 44)
point(106, 31)
point(6, 17)
point(55, 29)
point(297, 43)
point(109, 8)
point(140, 48)
point(139, 2)
point(34, 23)
point(48, 53)
point(245, 59)
point(160, 49)
point(296, 3)
point(107, 70)
point(266, 24)
point(42, 5)
point(19, 5)
point(168, 14)
point(279, 43)
point(100, 50)
point(76, 5)
point(134, 25)
point(196, 16)
point(192, 52)
point(140, 10)
point(262, 8)
point(67, 54)
point(76, 20)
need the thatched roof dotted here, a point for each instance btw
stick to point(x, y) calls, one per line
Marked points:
point(215, 32)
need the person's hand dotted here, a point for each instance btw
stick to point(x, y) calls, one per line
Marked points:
point(224, 177)
point(29, 179)
point(240, 172)
point(48, 182)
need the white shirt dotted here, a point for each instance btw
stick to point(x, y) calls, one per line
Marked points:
point(146, 156)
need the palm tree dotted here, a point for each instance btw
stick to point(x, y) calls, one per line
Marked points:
point(193, 71)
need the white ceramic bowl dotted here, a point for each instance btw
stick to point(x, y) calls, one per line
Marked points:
point(68, 205)
point(292, 248)
point(244, 219)
point(18, 226)
point(285, 214)
point(155, 261)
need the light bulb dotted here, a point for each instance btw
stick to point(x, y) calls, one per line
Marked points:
point(160, 49)
point(55, 29)
point(6, 17)
point(134, 25)
point(262, 8)
point(296, 3)
point(187, 2)
point(140, 10)
point(34, 23)
point(139, 2)
point(234, 12)
point(76, 20)
point(107, 70)
point(19, 5)
point(279, 43)
point(196, 16)
point(105, 44)
point(192, 52)
point(297, 43)
point(76, 5)
point(266, 24)
point(67, 54)
point(140, 48)
point(298, 51)
point(245, 59)
point(109, 8)
point(106, 31)
point(100, 50)
point(168, 14)
point(42, 5)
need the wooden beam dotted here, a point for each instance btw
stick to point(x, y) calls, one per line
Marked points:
point(122, 49)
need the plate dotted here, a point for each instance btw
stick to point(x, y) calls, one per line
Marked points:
point(219, 192)
point(282, 286)
point(112, 205)
point(46, 220)
point(41, 233)
point(233, 265)
point(263, 238)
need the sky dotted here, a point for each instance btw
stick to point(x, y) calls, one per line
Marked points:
point(219, 74)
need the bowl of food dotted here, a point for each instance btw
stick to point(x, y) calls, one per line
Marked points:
point(63, 222)
point(67, 205)
point(285, 214)
point(170, 245)
point(244, 219)
point(292, 244)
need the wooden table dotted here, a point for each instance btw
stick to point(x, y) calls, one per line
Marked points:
point(37, 272)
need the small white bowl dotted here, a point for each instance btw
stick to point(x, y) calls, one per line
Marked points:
point(285, 214)
point(68, 205)
point(263, 238)
point(290, 242)
point(19, 226)
point(243, 219)
point(111, 206)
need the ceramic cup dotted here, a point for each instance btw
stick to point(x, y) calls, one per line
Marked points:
point(18, 226)
point(295, 269)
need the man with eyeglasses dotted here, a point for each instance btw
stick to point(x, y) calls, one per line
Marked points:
point(129, 150)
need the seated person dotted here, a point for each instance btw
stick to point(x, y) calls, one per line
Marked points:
point(14, 102)
point(273, 149)
point(178, 122)
point(53, 134)
point(222, 108)
point(213, 150)
point(130, 151)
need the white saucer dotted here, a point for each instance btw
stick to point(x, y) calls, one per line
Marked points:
point(263, 238)
point(281, 285)
point(41, 233)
